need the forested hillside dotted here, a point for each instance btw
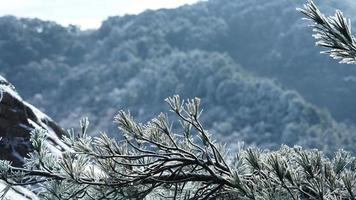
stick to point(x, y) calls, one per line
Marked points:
point(243, 58)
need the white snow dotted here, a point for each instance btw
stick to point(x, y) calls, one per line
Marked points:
point(54, 149)
point(8, 89)
point(1, 94)
point(17, 193)
point(50, 133)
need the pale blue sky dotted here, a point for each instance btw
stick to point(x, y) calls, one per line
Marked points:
point(85, 13)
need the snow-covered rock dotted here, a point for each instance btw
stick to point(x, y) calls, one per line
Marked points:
point(17, 119)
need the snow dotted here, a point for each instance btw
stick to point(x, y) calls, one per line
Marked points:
point(6, 87)
point(1, 94)
point(53, 149)
point(38, 113)
point(50, 133)
point(17, 193)
point(10, 90)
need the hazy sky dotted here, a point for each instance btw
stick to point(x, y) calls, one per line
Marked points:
point(85, 13)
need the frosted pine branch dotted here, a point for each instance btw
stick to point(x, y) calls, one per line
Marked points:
point(333, 32)
point(159, 161)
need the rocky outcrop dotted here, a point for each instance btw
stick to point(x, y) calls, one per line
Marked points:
point(17, 119)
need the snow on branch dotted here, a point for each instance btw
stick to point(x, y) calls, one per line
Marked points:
point(333, 32)
point(157, 160)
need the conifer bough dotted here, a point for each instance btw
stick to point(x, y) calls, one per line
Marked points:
point(159, 160)
point(333, 32)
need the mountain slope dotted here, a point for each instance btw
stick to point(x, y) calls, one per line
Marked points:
point(17, 119)
point(268, 38)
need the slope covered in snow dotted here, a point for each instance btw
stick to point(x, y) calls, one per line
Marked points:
point(17, 119)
